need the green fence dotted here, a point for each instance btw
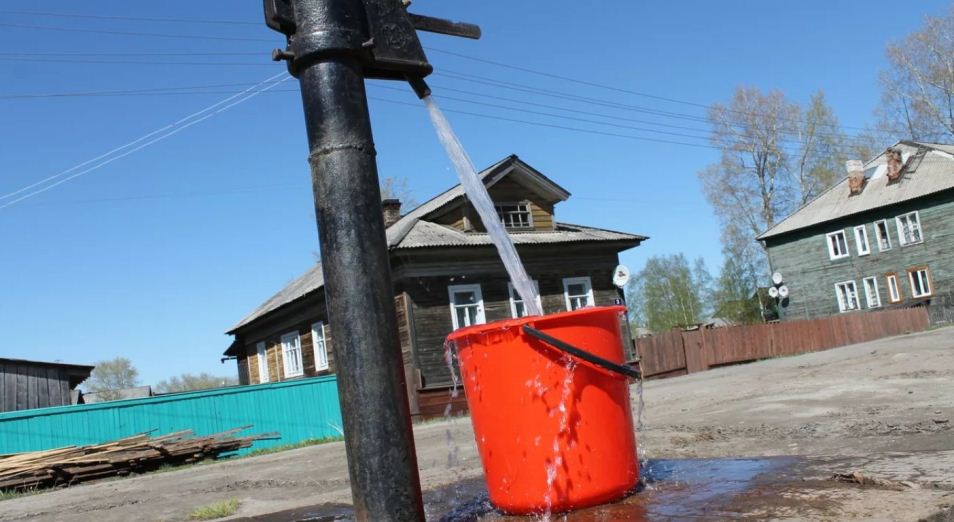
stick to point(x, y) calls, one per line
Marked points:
point(297, 410)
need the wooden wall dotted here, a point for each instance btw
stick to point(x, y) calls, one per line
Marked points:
point(803, 260)
point(26, 386)
point(430, 303)
point(504, 191)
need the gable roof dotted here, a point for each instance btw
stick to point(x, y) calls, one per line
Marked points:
point(413, 230)
point(928, 169)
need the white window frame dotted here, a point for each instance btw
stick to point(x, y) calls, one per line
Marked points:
point(832, 254)
point(861, 237)
point(291, 346)
point(886, 238)
point(900, 222)
point(319, 345)
point(522, 207)
point(872, 299)
point(925, 281)
point(585, 280)
point(843, 304)
point(894, 288)
point(515, 298)
point(261, 352)
point(475, 288)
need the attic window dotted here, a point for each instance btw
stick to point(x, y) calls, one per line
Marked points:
point(515, 215)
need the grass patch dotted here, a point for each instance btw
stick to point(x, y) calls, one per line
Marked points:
point(225, 508)
point(284, 447)
point(12, 494)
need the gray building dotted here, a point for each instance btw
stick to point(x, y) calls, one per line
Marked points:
point(882, 237)
point(26, 385)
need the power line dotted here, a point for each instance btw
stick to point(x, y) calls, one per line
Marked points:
point(130, 18)
point(144, 53)
point(263, 63)
point(168, 131)
point(132, 33)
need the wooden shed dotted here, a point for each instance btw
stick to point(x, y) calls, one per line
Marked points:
point(25, 385)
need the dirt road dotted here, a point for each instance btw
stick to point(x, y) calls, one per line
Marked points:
point(890, 398)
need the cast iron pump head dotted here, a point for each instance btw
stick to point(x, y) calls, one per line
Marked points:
point(385, 40)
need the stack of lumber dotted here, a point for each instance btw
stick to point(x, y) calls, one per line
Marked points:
point(136, 454)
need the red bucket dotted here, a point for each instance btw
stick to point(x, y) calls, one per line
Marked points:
point(554, 430)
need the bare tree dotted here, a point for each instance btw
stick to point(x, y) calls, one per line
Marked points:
point(398, 188)
point(108, 377)
point(775, 157)
point(190, 382)
point(918, 86)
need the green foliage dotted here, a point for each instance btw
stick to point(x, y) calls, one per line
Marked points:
point(734, 296)
point(667, 293)
point(225, 508)
point(108, 377)
point(192, 382)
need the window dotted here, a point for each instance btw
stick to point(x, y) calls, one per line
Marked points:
point(861, 240)
point(291, 354)
point(894, 290)
point(837, 245)
point(881, 232)
point(909, 229)
point(515, 215)
point(578, 292)
point(319, 346)
point(920, 281)
point(847, 295)
point(262, 362)
point(467, 305)
point(872, 296)
point(516, 303)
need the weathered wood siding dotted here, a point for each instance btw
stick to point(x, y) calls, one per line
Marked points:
point(465, 217)
point(430, 303)
point(803, 259)
point(28, 386)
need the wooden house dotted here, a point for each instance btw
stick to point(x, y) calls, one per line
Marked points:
point(446, 275)
point(25, 385)
point(882, 237)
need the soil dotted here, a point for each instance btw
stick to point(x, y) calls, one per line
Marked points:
point(883, 408)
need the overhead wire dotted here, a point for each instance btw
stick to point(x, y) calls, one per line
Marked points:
point(128, 18)
point(135, 33)
point(163, 133)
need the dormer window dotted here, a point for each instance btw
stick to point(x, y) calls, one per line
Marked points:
point(515, 215)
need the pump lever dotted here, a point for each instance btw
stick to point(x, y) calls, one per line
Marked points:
point(441, 26)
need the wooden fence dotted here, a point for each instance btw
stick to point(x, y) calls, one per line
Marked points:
point(678, 353)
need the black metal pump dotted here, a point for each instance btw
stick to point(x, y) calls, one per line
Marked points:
point(332, 46)
point(387, 45)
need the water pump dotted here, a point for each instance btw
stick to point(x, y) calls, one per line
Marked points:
point(386, 43)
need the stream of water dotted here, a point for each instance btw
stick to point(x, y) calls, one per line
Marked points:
point(478, 196)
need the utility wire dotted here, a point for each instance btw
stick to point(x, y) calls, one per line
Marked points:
point(264, 63)
point(144, 53)
point(130, 18)
point(132, 33)
point(168, 131)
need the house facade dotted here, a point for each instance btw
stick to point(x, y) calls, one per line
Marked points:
point(882, 237)
point(446, 275)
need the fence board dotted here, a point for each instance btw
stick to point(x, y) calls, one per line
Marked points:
point(678, 352)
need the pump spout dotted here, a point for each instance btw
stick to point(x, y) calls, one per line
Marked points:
point(420, 86)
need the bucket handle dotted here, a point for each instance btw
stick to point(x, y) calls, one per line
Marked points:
point(605, 364)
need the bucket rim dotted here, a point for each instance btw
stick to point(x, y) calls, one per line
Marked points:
point(536, 321)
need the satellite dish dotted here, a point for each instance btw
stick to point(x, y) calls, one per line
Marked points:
point(777, 278)
point(773, 292)
point(783, 291)
point(620, 276)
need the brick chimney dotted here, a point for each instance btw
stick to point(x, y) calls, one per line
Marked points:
point(392, 211)
point(856, 176)
point(894, 164)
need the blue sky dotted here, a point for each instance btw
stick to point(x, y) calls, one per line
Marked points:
point(155, 255)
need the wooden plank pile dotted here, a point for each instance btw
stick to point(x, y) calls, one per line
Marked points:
point(136, 454)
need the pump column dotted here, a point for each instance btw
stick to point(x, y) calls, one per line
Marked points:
point(382, 463)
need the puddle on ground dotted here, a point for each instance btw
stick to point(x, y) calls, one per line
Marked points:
point(699, 489)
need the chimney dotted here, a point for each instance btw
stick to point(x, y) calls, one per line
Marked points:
point(392, 211)
point(894, 164)
point(856, 176)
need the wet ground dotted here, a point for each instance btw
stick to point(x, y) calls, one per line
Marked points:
point(672, 489)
